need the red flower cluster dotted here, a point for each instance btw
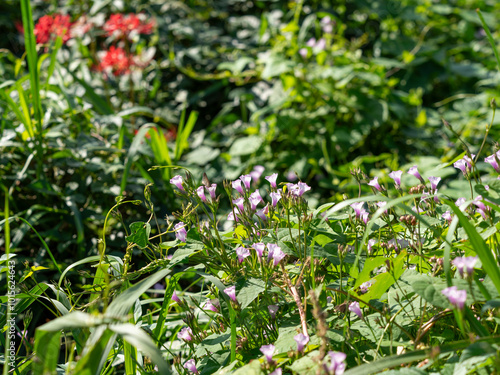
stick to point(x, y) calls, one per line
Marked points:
point(115, 61)
point(50, 27)
point(120, 25)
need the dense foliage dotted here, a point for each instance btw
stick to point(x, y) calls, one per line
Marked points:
point(338, 262)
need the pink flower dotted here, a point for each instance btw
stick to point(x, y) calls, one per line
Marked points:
point(237, 186)
point(210, 306)
point(493, 161)
point(327, 24)
point(231, 292)
point(191, 366)
point(200, 191)
point(358, 208)
point(460, 201)
point(447, 216)
point(275, 253)
point(414, 172)
point(185, 334)
point(211, 190)
point(246, 179)
point(456, 297)
point(273, 309)
point(337, 365)
point(363, 288)
point(462, 165)
point(301, 341)
point(259, 248)
point(175, 298)
point(268, 351)
point(278, 371)
point(257, 172)
point(242, 253)
point(303, 52)
point(177, 181)
point(272, 179)
point(374, 183)
point(180, 231)
point(364, 216)
point(254, 199)
point(477, 202)
point(354, 307)
point(465, 265)
point(275, 198)
point(239, 203)
point(434, 182)
point(396, 176)
point(262, 214)
point(382, 204)
point(370, 244)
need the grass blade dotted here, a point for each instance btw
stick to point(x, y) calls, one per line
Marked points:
point(490, 37)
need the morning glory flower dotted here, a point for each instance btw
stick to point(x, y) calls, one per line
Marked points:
point(493, 161)
point(246, 179)
point(175, 297)
point(180, 231)
point(259, 248)
point(462, 165)
point(239, 203)
point(477, 202)
point(275, 198)
point(177, 181)
point(374, 183)
point(278, 371)
point(303, 187)
point(465, 265)
point(469, 160)
point(210, 306)
point(272, 179)
point(242, 253)
point(321, 44)
point(363, 288)
point(358, 208)
point(434, 182)
point(268, 351)
point(255, 199)
point(191, 366)
point(382, 204)
point(303, 52)
point(273, 309)
point(274, 251)
point(311, 42)
point(185, 334)
point(211, 190)
point(447, 216)
point(301, 341)
point(456, 297)
point(257, 172)
point(201, 193)
point(460, 201)
point(327, 24)
point(414, 172)
point(354, 307)
point(482, 212)
point(364, 216)
point(231, 292)
point(237, 186)
point(337, 365)
point(396, 176)
point(262, 214)
point(370, 244)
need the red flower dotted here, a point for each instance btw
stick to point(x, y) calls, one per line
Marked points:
point(50, 27)
point(120, 25)
point(115, 61)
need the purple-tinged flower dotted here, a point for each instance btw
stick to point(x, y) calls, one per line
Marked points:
point(259, 248)
point(456, 297)
point(273, 309)
point(301, 341)
point(447, 216)
point(460, 201)
point(272, 179)
point(268, 351)
point(493, 161)
point(327, 24)
point(191, 366)
point(371, 242)
point(382, 204)
point(468, 160)
point(175, 297)
point(239, 203)
point(291, 176)
point(270, 250)
point(237, 186)
point(262, 214)
point(231, 292)
point(354, 307)
point(242, 253)
point(277, 371)
point(303, 187)
point(321, 44)
point(211, 190)
point(363, 288)
point(414, 172)
point(482, 212)
point(278, 255)
point(477, 202)
point(246, 179)
point(396, 176)
point(255, 199)
point(434, 182)
point(465, 265)
point(358, 208)
point(311, 42)
point(257, 172)
point(275, 198)
point(462, 165)
point(180, 231)
point(337, 365)
point(364, 216)
point(374, 183)
point(303, 52)
point(201, 193)
point(177, 181)
point(210, 306)
point(185, 334)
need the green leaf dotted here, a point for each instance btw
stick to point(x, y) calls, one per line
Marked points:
point(245, 146)
point(139, 234)
point(47, 348)
point(250, 291)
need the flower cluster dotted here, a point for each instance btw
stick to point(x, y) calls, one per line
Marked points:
point(126, 26)
point(50, 27)
point(316, 46)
